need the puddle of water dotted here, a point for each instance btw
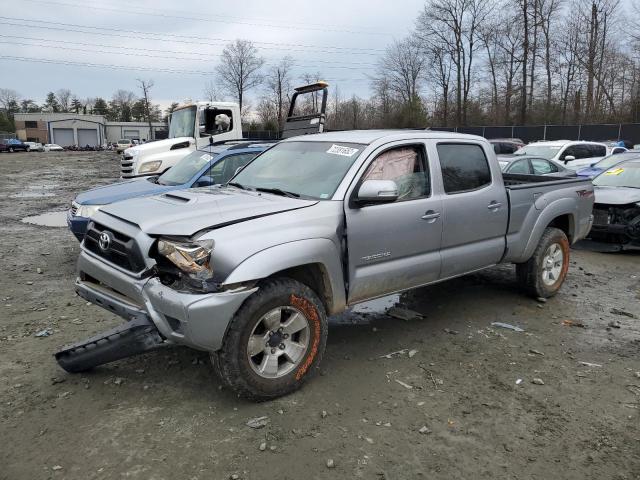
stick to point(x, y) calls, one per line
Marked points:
point(360, 313)
point(51, 219)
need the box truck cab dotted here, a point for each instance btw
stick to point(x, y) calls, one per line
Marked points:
point(190, 127)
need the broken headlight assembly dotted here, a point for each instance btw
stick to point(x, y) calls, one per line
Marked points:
point(193, 260)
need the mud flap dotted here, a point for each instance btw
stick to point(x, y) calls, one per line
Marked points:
point(136, 336)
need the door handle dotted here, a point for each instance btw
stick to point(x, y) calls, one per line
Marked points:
point(430, 216)
point(494, 205)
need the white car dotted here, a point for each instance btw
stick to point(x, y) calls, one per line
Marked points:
point(35, 146)
point(52, 147)
point(573, 154)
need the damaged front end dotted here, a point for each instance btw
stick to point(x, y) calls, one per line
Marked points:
point(616, 224)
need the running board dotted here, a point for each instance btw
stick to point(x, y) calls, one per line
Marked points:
point(136, 336)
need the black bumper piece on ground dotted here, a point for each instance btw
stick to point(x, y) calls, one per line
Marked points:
point(136, 336)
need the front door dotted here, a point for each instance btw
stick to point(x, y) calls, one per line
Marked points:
point(394, 246)
point(475, 209)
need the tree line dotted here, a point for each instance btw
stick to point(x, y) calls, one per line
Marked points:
point(124, 105)
point(465, 62)
point(477, 62)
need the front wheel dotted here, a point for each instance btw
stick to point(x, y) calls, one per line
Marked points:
point(10, 149)
point(275, 341)
point(544, 273)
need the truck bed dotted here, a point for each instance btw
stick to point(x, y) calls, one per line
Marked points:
point(535, 200)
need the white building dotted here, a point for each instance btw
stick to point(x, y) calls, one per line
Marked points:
point(68, 129)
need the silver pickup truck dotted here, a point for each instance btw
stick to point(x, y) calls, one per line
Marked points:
point(249, 271)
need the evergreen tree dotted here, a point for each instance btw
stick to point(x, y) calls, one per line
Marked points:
point(100, 107)
point(51, 103)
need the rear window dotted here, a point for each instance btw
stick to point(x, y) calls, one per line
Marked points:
point(464, 167)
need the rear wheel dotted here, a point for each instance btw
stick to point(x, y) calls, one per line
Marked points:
point(544, 273)
point(10, 149)
point(275, 341)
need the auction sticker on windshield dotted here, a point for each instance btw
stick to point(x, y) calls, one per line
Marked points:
point(616, 171)
point(344, 151)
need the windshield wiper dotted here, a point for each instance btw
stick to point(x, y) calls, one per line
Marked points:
point(278, 191)
point(237, 185)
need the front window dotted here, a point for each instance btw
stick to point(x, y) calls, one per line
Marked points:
point(182, 122)
point(623, 175)
point(307, 169)
point(544, 151)
point(185, 169)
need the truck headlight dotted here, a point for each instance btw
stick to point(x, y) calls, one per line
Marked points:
point(150, 166)
point(87, 210)
point(193, 258)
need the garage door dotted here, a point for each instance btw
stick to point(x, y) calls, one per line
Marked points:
point(132, 134)
point(87, 136)
point(63, 137)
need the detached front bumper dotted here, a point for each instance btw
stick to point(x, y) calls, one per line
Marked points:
point(197, 320)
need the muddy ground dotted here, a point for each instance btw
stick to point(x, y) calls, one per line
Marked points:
point(453, 408)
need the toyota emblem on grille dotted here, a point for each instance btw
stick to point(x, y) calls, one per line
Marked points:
point(104, 241)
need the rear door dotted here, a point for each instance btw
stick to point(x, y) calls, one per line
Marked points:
point(394, 246)
point(475, 208)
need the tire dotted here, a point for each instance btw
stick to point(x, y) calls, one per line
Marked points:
point(10, 149)
point(276, 303)
point(544, 273)
point(28, 149)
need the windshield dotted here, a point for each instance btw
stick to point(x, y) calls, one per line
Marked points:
point(124, 142)
point(544, 151)
point(308, 169)
point(182, 122)
point(185, 169)
point(624, 175)
point(611, 160)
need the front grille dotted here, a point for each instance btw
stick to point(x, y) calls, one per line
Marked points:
point(123, 252)
point(600, 217)
point(126, 165)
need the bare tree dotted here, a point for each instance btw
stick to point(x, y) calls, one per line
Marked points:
point(211, 92)
point(278, 86)
point(239, 68)
point(8, 98)
point(454, 26)
point(64, 97)
point(145, 87)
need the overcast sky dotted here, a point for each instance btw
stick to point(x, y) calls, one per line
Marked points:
point(339, 39)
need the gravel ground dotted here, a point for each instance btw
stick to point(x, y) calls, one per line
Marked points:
point(461, 399)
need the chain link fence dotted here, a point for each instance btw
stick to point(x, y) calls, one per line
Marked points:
point(629, 132)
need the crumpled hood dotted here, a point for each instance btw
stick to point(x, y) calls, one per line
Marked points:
point(121, 191)
point(617, 195)
point(158, 146)
point(185, 212)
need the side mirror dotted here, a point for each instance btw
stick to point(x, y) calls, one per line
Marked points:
point(378, 191)
point(204, 181)
point(569, 158)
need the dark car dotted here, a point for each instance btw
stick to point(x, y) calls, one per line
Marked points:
point(208, 166)
point(13, 145)
point(506, 146)
point(533, 165)
point(616, 211)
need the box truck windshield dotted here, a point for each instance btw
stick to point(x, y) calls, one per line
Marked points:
point(183, 122)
